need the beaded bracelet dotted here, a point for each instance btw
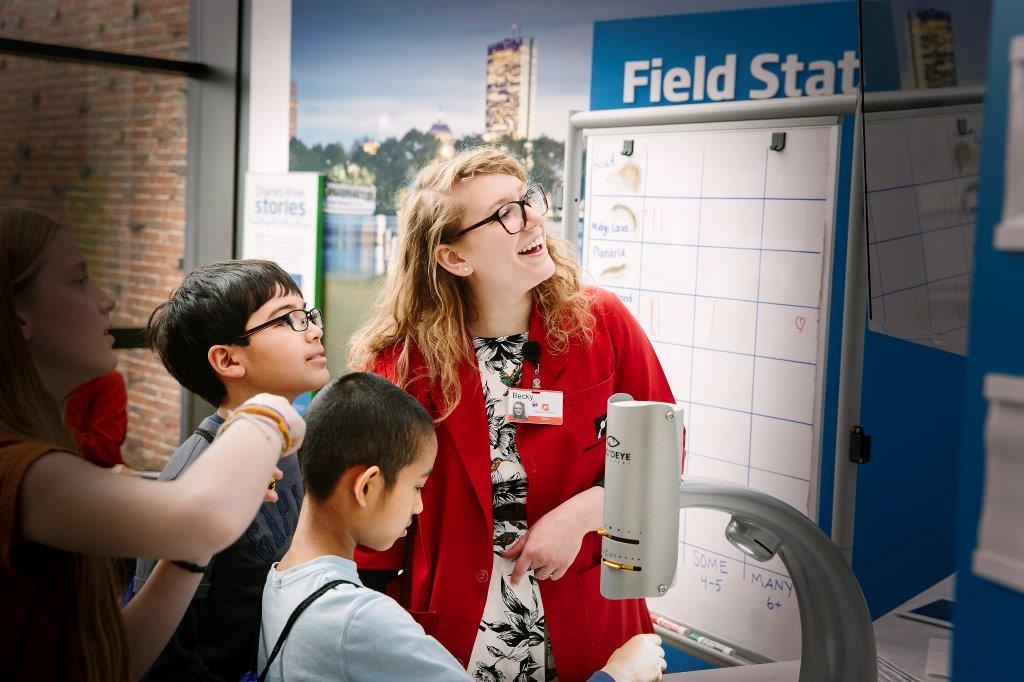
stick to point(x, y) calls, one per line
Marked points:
point(273, 415)
point(264, 426)
point(260, 424)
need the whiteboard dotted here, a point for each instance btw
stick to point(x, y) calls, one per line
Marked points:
point(921, 176)
point(722, 249)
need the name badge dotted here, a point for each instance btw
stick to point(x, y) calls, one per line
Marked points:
point(526, 406)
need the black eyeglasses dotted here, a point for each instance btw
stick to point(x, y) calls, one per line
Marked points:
point(297, 319)
point(511, 220)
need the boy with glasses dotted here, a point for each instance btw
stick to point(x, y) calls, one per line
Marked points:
point(230, 331)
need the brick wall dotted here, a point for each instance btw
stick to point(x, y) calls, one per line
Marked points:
point(104, 151)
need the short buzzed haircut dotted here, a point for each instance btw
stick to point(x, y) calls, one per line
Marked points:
point(360, 419)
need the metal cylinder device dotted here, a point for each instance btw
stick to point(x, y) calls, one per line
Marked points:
point(635, 556)
point(643, 495)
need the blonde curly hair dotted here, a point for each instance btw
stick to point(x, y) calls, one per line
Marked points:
point(422, 305)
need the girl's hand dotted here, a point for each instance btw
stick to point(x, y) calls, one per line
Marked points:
point(271, 494)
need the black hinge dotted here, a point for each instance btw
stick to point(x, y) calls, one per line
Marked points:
point(860, 446)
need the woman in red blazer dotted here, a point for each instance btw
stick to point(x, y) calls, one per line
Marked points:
point(503, 565)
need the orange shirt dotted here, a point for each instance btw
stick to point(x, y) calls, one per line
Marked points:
point(38, 631)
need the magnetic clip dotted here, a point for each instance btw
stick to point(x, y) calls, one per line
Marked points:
point(778, 142)
point(860, 446)
point(962, 127)
point(627, 147)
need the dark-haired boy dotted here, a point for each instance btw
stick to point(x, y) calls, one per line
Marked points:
point(230, 331)
point(368, 452)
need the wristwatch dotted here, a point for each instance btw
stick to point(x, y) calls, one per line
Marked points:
point(190, 567)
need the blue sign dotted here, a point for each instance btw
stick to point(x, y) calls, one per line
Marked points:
point(794, 51)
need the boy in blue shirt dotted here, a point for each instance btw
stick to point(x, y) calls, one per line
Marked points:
point(230, 331)
point(368, 452)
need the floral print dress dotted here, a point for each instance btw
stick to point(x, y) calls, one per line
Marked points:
point(512, 642)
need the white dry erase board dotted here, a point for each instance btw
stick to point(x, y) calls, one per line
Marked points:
point(722, 249)
point(922, 177)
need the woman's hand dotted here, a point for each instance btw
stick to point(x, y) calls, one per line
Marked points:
point(551, 545)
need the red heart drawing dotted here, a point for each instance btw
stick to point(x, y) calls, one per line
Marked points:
point(801, 321)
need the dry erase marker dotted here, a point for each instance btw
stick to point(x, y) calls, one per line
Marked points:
point(711, 644)
point(670, 626)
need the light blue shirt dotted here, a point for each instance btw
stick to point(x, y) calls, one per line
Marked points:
point(350, 633)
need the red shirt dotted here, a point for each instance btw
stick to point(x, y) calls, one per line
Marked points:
point(447, 555)
point(97, 414)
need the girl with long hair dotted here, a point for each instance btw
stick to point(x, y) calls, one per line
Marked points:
point(503, 566)
point(64, 518)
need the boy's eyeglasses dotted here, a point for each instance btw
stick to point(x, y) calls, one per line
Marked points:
point(297, 319)
point(512, 216)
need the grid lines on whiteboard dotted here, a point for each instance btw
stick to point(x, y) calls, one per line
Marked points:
point(922, 188)
point(716, 245)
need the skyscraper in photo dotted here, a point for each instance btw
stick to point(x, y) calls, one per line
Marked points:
point(511, 88)
point(930, 43)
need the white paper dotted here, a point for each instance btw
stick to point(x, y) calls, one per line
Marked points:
point(722, 379)
point(938, 205)
point(723, 324)
point(784, 390)
point(672, 221)
point(795, 225)
point(922, 205)
point(676, 361)
point(937, 665)
point(669, 268)
point(999, 555)
point(726, 275)
point(787, 332)
point(790, 278)
point(901, 265)
point(667, 317)
point(893, 214)
point(614, 263)
point(782, 446)
point(888, 164)
point(944, 253)
point(734, 165)
point(930, 153)
point(725, 433)
point(796, 173)
point(792, 491)
point(731, 223)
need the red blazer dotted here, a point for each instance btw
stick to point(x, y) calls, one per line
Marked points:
point(447, 555)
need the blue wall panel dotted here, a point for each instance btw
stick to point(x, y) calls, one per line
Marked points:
point(989, 618)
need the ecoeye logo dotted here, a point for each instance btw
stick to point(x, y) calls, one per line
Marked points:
point(612, 443)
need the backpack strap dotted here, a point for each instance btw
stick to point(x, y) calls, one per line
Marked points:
point(327, 587)
point(207, 436)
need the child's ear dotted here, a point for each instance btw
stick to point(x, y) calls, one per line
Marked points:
point(223, 360)
point(368, 486)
